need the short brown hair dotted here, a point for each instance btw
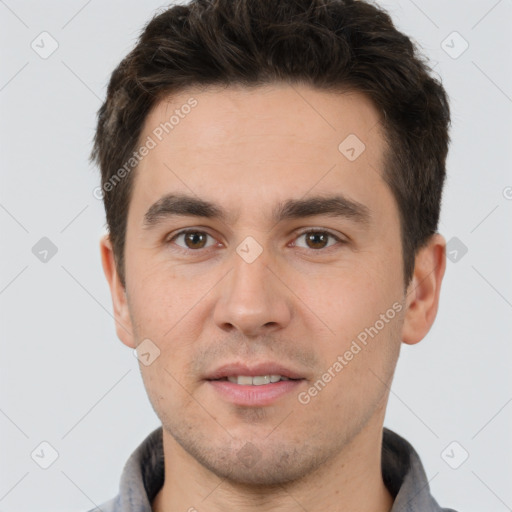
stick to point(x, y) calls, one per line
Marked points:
point(332, 45)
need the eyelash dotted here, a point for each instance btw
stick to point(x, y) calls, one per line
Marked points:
point(302, 233)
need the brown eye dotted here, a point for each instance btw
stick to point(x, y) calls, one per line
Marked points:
point(317, 239)
point(195, 240)
point(192, 240)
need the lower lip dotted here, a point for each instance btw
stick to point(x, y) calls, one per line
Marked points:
point(254, 396)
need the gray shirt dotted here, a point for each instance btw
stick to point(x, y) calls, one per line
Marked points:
point(402, 471)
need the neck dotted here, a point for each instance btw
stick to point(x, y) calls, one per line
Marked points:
point(349, 481)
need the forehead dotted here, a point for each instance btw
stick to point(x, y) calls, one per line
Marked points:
point(215, 116)
point(256, 143)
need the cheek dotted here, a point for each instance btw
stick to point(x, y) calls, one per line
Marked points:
point(350, 299)
point(165, 387)
point(161, 296)
point(361, 306)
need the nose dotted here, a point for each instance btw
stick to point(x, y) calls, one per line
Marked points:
point(252, 299)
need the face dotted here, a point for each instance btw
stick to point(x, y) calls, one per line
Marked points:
point(262, 241)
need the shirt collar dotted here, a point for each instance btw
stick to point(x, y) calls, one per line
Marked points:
point(403, 475)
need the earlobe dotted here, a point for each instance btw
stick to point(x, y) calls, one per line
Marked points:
point(119, 302)
point(423, 292)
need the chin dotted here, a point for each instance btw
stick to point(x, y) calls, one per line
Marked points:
point(262, 466)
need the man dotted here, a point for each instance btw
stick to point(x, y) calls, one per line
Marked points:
point(272, 175)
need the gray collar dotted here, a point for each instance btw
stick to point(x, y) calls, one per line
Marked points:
point(403, 475)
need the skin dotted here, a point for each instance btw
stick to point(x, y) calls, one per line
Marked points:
point(298, 303)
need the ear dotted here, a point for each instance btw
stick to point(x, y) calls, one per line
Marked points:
point(121, 311)
point(423, 291)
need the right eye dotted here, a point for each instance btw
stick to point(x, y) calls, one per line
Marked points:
point(192, 240)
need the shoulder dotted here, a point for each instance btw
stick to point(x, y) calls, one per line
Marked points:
point(405, 477)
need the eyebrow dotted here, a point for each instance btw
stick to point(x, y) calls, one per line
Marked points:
point(172, 205)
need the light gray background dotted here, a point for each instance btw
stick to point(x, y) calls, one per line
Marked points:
point(67, 379)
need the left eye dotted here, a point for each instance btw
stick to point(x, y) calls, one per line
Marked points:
point(317, 239)
point(193, 239)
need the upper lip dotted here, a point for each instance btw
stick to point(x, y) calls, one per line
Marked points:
point(268, 368)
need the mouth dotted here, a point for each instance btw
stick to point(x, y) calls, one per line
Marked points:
point(257, 380)
point(254, 386)
point(256, 374)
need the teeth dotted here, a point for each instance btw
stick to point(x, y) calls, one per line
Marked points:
point(259, 380)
